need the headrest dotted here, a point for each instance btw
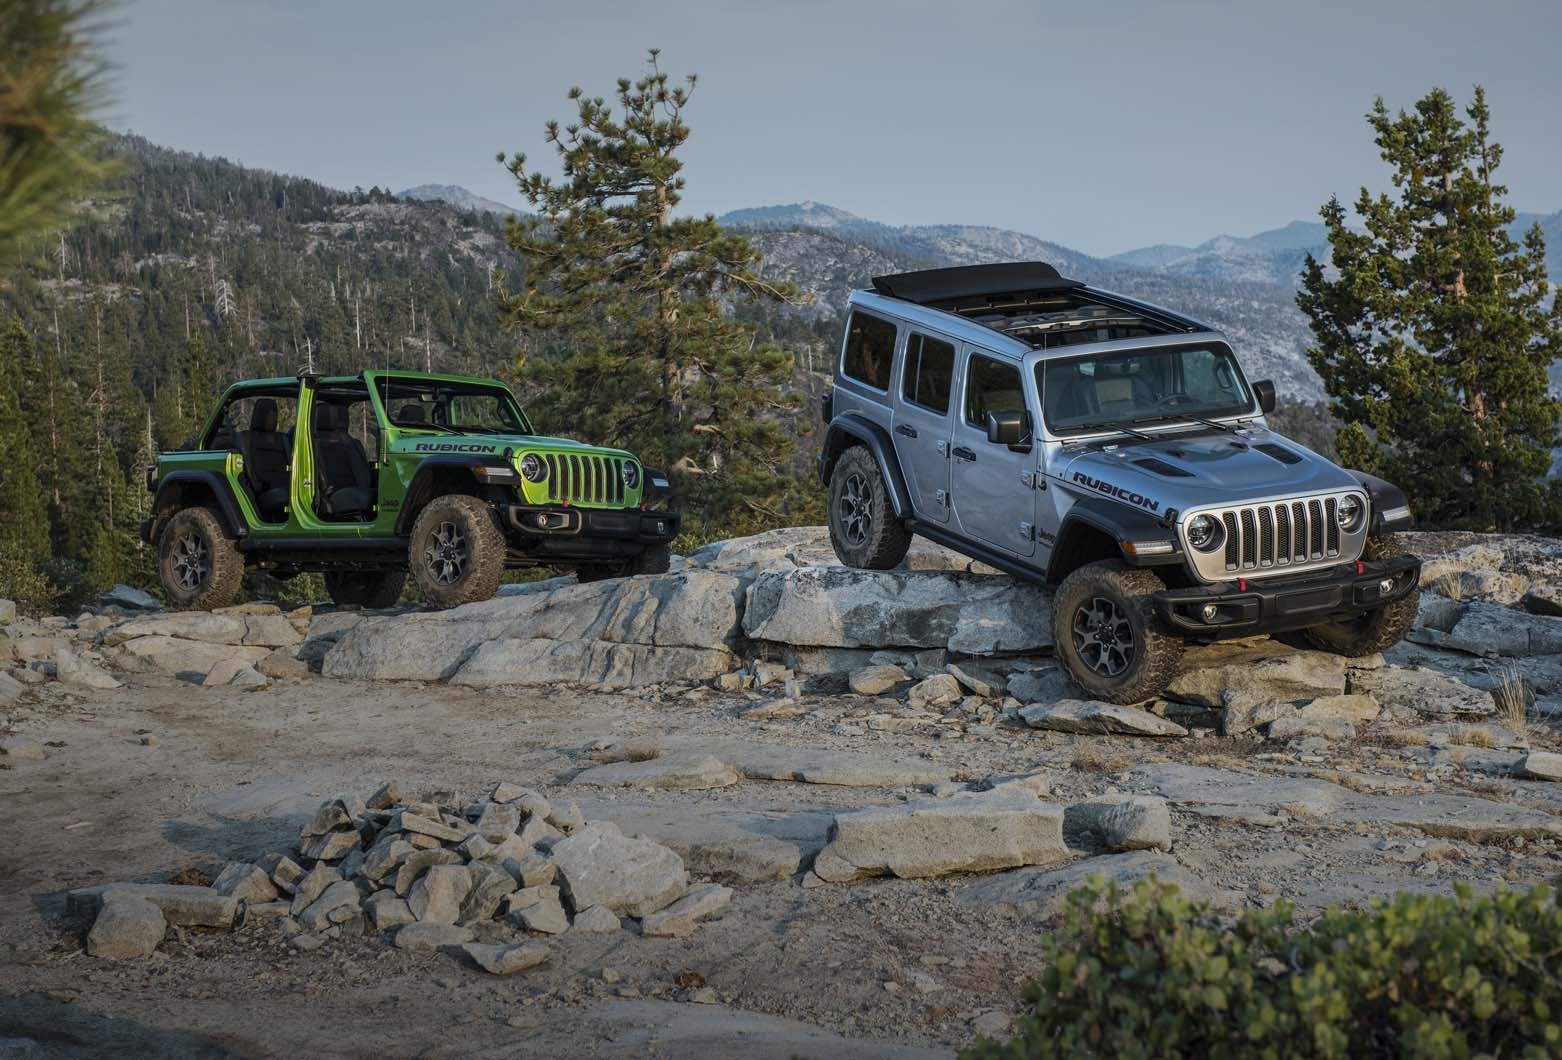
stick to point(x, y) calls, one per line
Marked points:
point(264, 416)
point(331, 417)
point(411, 413)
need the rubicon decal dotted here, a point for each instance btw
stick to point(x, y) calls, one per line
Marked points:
point(453, 447)
point(1103, 486)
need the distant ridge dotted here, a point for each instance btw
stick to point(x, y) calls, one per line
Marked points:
point(459, 197)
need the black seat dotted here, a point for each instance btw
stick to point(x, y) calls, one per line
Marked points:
point(267, 453)
point(345, 479)
point(412, 413)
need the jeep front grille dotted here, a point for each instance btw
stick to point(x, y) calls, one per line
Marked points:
point(1271, 537)
point(585, 479)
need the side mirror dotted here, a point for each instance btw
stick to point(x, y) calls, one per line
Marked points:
point(1010, 427)
point(1264, 389)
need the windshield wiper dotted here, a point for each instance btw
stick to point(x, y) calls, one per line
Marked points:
point(1124, 426)
point(1183, 416)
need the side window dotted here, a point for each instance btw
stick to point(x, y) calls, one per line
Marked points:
point(991, 386)
point(870, 347)
point(929, 372)
point(253, 412)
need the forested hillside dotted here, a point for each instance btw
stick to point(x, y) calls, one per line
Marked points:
point(118, 333)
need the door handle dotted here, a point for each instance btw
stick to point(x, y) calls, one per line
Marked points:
point(962, 453)
point(906, 429)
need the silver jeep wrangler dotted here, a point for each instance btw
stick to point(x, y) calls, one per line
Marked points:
point(1112, 449)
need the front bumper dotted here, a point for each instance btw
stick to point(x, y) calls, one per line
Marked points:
point(558, 532)
point(1248, 608)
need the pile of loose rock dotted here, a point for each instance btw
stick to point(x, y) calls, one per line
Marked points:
point(492, 876)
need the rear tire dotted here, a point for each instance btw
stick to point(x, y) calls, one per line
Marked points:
point(863, 527)
point(1376, 630)
point(1107, 636)
point(456, 552)
point(200, 568)
point(372, 590)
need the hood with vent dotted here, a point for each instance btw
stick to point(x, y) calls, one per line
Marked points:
point(1187, 469)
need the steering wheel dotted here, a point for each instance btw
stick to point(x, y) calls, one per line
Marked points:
point(1177, 397)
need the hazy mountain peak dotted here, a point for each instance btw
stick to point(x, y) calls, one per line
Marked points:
point(805, 214)
point(459, 197)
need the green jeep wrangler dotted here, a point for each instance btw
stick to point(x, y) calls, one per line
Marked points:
point(364, 478)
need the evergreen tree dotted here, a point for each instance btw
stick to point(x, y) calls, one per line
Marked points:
point(623, 311)
point(50, 81)
point(24, 524)
point(1434, 338)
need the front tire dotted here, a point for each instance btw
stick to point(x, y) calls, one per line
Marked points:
point(1377, 630)
point(372, 590)
point(1107, 636)
point(200, 568)
point(863, 527)
point(456, 553)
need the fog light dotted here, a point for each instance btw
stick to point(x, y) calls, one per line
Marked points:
point(1210, 612)
point(1385, 586)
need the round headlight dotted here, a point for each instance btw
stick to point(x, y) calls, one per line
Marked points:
point(1350, 512)
point(1204, 533)
point(533, 468)
point(631, 475)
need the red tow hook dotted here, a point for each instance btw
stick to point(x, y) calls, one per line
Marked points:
point(1361, 568)
point(1241, 585)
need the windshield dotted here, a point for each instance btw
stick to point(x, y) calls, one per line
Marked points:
point(464, 408)
point(1133, 386)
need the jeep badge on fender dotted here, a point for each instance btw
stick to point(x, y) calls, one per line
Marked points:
point(1113, 450)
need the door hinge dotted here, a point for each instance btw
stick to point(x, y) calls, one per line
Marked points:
point(943, 449)
point(1033, 480)
point(942, 497)
point(1027, 531)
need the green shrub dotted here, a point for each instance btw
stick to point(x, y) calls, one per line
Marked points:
point(1424, 976)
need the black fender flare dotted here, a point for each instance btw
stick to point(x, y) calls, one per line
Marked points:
point(1120, 523)
point(176, 482)
point(1384, 496)
point(429, 467)
point(851, 429)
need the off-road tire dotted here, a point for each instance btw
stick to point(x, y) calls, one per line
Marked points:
point(655, 559)
point(372, 590)
point(456, 552)
point(200, 567)
point(1377, 630)
point(1120, 595)
point(863, 527)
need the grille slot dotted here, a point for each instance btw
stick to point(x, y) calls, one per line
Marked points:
point(576, 479)
point(1288, 534)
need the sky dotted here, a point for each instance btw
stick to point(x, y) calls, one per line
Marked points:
point(1101, 126)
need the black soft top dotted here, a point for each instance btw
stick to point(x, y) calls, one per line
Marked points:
point(930, 286)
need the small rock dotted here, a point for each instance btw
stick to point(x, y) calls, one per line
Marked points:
point(385, 797)
point(336, 903)
point(678, 920)
point(596, 919)
point(425, 937)
point(388, 911)
point(72, 669)
point(1299, 726)
point(313, 886)
point(498, 821)
point(546, 916)
point(971, 682)
point(1541, 765)
point(437, 896)
point(126, 927)
point(247, 883)
point(773, 710)
point(1544, 598)
point(1088, 716)
point(876, 680)
point(506, 960)
point(704, 996)
point(992, 1024)
point(940, 690)
point(286, 875)
point(413, 822)
point(1132, 822)
point(640, 749)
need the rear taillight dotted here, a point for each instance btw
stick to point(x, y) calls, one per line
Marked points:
point(151, 478)
point(826, 403)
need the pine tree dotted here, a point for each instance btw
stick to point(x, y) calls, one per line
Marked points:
point(50, 81)
point(1434, 338)
point(623, 310)
point(24, 524)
